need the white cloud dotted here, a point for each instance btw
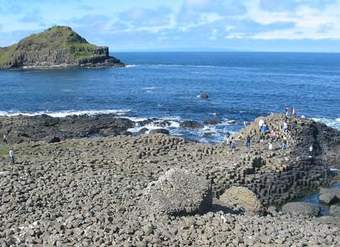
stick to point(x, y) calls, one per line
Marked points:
point(309, 22)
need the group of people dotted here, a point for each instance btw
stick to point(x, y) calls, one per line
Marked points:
point(289, 124)
point(10, 152)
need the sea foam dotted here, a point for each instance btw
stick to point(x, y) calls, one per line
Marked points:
point(121, 112)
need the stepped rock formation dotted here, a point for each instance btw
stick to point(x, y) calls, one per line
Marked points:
point(89, 191)
point(58, 46)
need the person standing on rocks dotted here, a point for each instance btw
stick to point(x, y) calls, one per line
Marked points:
point(311, 151)
point(293, 112)
point(4, 138)
point(284, 144)
point(232, 145)
point(270, 146)
point(287, 111)
point(285, 126)
point(248, 142)
point(272, 134)
point(227, 138)
point(11, 156)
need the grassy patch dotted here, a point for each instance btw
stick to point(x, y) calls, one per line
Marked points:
point(6, 54)
point(4, 151)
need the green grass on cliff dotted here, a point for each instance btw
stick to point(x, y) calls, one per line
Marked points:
point(57, 37)
point(5, 54)
point(3, 150)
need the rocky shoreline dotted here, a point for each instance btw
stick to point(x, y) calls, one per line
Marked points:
point(101, 186)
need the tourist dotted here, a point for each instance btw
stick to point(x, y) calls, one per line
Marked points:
point(261, 123)
point(284, 144)
point(272, 134)
point(248, 141)
point(265, 128)
point(270, 146)
point(293, 112)
point(11, 156)
point(227, 138)
point(5, 140)
point(232, 145)
point(287, 112)
point(285, 126)
point(311, 150)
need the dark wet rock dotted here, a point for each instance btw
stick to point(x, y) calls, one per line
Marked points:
point(191, 124)
point(146, 122)
point(242, 198)
point(301, 209)
point(159, 131)
point(54, 139)
point(204, 95)
point(178, 192)
point(213, 121)
point(37, 128)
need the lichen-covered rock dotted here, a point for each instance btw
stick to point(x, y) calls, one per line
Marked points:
point(301, 209)
point(178, 192)
point(243, 198)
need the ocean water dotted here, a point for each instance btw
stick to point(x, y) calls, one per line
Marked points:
point(165, 86)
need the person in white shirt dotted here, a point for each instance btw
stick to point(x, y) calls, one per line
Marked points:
point(11, 156)
point(270, 146)
point(311, 150)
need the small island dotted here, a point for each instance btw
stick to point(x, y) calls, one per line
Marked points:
point(57, 47)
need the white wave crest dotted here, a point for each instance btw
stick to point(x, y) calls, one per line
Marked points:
point(131, 66)
point(334, 123)
point(64, 113)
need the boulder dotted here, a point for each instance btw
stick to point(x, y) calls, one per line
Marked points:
point(243, 198)
point(301, 209)
point(204, 95)
point(54, 139)
point(191, 124)
point(334, 210)
point(212, 121)
point(329, 195)
point(159, 131)
point(142, 131)
point(178, 192)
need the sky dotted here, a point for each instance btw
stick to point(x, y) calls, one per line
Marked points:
point(182, 25)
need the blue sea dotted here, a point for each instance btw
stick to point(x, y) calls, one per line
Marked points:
point(165, 86)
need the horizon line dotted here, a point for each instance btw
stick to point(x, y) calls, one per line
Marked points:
point(219, 51)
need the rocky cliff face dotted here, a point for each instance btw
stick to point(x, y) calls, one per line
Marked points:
point(56, 47)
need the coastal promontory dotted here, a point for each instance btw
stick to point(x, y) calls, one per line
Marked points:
point(58, 46)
